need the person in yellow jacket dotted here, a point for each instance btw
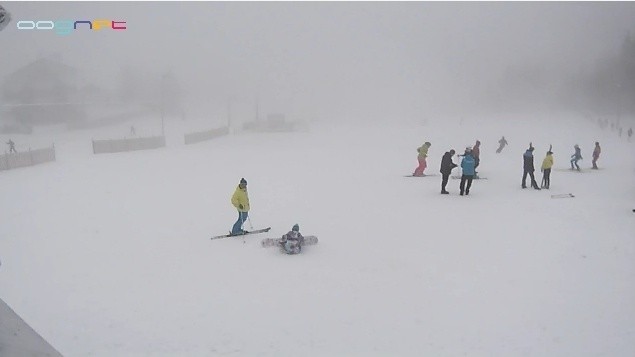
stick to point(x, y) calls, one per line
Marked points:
point(423, 153)
point(240, 200)
point(547, 163)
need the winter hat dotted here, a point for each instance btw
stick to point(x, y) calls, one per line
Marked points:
point(452, 152)
point(427, 143)
point(243, 181)
point(295, 228)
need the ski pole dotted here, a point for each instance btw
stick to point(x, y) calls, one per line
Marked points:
point(250, 225)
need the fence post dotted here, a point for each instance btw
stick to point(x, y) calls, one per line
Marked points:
point(30, 157)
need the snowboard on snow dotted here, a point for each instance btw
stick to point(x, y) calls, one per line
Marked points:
point(275, 242)
point(256, 231)
point(563, 195)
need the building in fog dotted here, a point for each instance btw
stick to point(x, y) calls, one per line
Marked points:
point(42, 92)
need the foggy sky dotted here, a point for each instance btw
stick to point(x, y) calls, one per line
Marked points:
point(324, 59)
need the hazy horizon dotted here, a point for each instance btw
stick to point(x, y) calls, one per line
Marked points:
point(342, 59)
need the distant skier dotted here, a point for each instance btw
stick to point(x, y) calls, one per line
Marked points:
point(577, 156)
point(528, 168)
point(501, 144)
point(133, 131)
point(596, 155)
point(630, 133)
point(292, 241)
point(467, 165)
point(423, 154)
point(11, 146)
point(240, 200)
point(476, 154)
point(547, 164)
point(446, 169)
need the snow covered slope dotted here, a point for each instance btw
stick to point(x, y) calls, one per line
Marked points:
point(109, 255)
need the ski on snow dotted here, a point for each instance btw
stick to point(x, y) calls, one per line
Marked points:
point(255, 231)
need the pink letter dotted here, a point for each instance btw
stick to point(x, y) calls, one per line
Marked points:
point(118, 27)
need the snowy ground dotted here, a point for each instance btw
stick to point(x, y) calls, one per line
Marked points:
point(110, 255)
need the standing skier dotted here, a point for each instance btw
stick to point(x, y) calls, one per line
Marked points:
point(596, 155)
point(240, 200)
point(467, 165)
point(528, 168)
point(630, 133)
point(577, 156)
point(292, 241)
point(446, 168)
point(423, 154)
point(547, 164)
point(476, 154)
point(11, 146)
point(501, 144)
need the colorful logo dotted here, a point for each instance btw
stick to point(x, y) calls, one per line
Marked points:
point(65, 27)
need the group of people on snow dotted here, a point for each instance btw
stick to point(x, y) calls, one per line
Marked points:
point(471, 160)
point(290, 242)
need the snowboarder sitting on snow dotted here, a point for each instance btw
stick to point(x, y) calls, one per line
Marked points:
point(240, 200)
point(292, 241)
point(423, 153)
point(577, 156)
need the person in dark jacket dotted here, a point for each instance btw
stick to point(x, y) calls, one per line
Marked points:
point(11, 146)
point(596, 155)
point(446, 168)
point(476, 154)
point(528, 168)
point(501, 144)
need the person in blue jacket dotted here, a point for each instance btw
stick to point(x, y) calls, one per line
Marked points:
point(468, 166)
point(577, 156)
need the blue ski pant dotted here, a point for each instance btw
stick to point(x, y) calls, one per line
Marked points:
point(238, 226)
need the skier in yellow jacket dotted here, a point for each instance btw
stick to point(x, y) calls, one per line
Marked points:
point(547, 163)
point(240, 200)
point(423, 154)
